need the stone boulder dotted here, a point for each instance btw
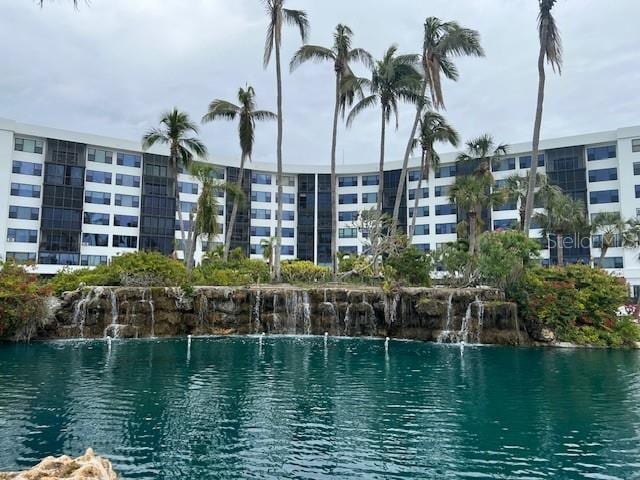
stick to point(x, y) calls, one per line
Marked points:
point(86, 467)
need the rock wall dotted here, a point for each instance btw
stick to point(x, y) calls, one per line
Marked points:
point(85, 467)
point(473, 315)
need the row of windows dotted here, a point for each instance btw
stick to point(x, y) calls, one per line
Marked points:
point(420, 212)
point(421, 230)
point(347, 232)
point(257, 231)
point(105, 156)
point(446, 209)
point(104, 198)
point(601, 153)
point(606, 196)
point(287, 198)
point(28, 145)
point(604, 174)
point(265, 214)
point(22, 235)
point(91, 218)
point(352, 198)
point(258, 178)
point(422, 193)
point(21, 257)
point(24, 213)
point(348, 216)
point(284, 249)
point(25, 190)
point(187, 187)
point(27, 168)
point(352, 180)
point(102, 240)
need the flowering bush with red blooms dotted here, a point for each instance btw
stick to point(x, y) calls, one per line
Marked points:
point(22, 302)
point(571, 298)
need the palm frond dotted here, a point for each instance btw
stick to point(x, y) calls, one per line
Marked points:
point(550, 39)
point(153, 136)
point(362, 105)
point(221, 109)
point(314, 53)
point(362, 56)
point(297, 18)
point(262, 115)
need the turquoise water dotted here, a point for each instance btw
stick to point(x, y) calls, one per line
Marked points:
point(292, 408)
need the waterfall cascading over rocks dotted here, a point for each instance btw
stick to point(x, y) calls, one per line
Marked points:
point(472, 315)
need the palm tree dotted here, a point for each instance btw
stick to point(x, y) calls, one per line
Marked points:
point(442, 41)
point(175, 131)
point(277, 15)
point(562, 216)
point(206, 219)
point(340, 55)
point(472, 193)
point(608, 225)
point(516, 188)
point(485, 151)
point(247, 115)
point(433, 128)
point(551, 51)
point(268, 247)
point(394, 79)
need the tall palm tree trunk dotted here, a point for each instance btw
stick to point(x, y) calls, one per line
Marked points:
point(334, 191)
point(536, 142)
point(405, 161)
point(603, 253)
point(234, 212)
point(276, 254)
point(381, 167)
point(472, 233)
point(185, 248)
point(559, 238)
point(423, 170)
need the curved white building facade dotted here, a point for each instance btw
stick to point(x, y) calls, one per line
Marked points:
point(76, 199)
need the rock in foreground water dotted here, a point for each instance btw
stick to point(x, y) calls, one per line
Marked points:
point(86, 467)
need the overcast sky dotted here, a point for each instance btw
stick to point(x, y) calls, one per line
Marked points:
point(112, 67)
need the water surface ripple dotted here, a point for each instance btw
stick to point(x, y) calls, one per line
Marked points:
point(293, 408)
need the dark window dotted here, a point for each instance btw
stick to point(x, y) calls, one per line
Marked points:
point(260, 178)
point(61, 218)
point(261, 214)
point(414, 175)
point(601, 153)
point(63, 175)
point(442, 190)
point(446, 171)
point(348, 249)
point(442, 228)
point(604, 174)
point(503, 164)
point(446, 209)
point(28, 145)
point(287, 198)
point(287, 232)
point(24, 213)
point(125, 221)
point(347, 181)
point(261, 196)
point(98, 177)
point(52, 258)
point(256, 249)
point(420, 212)
point(129, 159)
point(525, 161)
point(187, 187)
point(127, 180)
point(612, 262)
point(348, 198)
point(27, 168)
point(421, 230)
point(347, 216)
point(95, 239)
point(635, 146)
point(370, 180)
point(287, 215)
point(124, 241)
point(423, 247)
point(188, 207)
point(370, 197)
point(101, 198)
point(347, 232)
point(604, 196)
point(423, 193)
point(127, 200)
point(180, 224)
point(99, 156)
point(153, 170)
point(25, 190)
point(93, 260)
point(505, 206)
point(286, 250)
point(22, 257)
point(261, 231)
point(505, 224)
point(596, 241)
point(96, 218)
point(22, 235)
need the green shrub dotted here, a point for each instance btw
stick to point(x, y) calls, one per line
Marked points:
point(411, 267)
point(573, 301)
point(239, 270)
point(304, 271)
point(504, 256)
point(22, 302)
point(135, 269)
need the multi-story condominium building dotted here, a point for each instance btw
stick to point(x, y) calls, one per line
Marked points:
point(76, 199)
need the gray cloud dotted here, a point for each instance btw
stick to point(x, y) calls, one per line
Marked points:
point(112, 67)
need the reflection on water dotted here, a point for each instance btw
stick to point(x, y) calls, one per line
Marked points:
point(295, 407)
